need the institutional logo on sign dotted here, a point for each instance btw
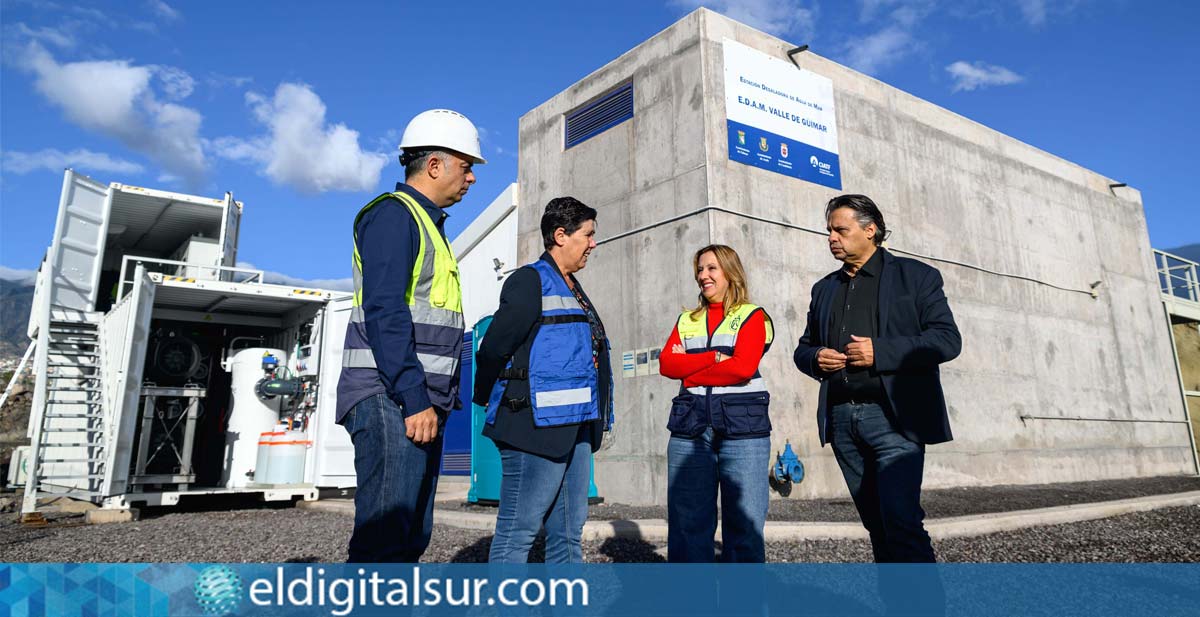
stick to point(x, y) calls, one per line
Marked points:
point(762, 144)
point(813, 161)
point(218, 590)
point(741, 138)
point(783, 149)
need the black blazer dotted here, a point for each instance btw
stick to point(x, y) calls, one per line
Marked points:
point(511, 335)
point(916, 334)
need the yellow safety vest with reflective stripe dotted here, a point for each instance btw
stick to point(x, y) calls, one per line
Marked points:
point(434, 298)
point(734, 410)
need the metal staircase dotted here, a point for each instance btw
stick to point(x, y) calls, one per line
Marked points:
point(67, 444)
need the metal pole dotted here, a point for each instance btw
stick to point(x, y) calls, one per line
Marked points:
point(38, 411)
point(17, 373)
point(1191, 282)
point(121, 284)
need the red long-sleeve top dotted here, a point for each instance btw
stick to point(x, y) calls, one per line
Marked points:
point(702, 369)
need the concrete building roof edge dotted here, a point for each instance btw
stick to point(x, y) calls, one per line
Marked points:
point(703, 13)
point(1108, 180)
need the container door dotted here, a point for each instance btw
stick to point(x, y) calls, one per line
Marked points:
point(126, 382)
point(332, 460)
point(79, 236)
point(230, 224)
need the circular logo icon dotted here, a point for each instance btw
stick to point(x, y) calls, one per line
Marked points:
point(218, 590)
point(813, 160)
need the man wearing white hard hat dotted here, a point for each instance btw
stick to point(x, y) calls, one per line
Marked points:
point(400, 365)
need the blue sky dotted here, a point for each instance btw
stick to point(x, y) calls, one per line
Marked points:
point(296, 107)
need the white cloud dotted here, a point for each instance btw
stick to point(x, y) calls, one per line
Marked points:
point(894, 40)
point(880, 50)
point(148, 27)
point(218, 81)
point(163, 10)
point(115, 98)
point(390, 140)
point(241, 150)
point(176, 83)
point(53, 36)
point(95, 15)
point(777, 17)
point(1033, 11)
point(51, 159)
point(969, 76)
point(25, 277)
point(301, 149)
point(278, 278)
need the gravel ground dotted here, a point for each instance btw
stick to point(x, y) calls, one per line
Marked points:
point(238, 533)
point(938, 503)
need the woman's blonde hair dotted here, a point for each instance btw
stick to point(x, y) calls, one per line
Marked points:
point(737, 294)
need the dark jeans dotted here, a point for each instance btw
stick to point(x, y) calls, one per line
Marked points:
point(397, 480)
point(696, 468)
point(883, 472)
point(536, 491)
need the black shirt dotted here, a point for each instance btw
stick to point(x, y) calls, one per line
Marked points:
point(856, 311)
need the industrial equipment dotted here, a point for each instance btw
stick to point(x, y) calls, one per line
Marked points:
point(160, 363)
point(788, 470)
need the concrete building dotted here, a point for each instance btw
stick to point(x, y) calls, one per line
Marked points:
point(1053, 384)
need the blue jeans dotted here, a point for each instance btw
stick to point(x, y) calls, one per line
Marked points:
point(537, 491)
point(397, 480)
point(883, 471)
point(696, 467)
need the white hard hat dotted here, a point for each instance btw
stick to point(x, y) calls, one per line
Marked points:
point(442, 128)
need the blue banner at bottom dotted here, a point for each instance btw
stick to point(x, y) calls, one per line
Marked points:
point(1119, 590)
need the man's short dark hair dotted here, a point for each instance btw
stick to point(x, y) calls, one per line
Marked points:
point(566, 212)
point(414, 161)
point(865, 212)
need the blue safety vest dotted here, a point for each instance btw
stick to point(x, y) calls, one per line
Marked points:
point(563, 379)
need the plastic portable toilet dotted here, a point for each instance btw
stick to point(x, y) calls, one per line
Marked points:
point(485, 457)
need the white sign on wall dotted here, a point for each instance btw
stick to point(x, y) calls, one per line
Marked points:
point(780, 118)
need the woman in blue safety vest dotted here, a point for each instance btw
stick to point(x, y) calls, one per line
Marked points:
point(543, 372)
point(720, 431)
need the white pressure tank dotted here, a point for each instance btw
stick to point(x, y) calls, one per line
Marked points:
point(249, 416)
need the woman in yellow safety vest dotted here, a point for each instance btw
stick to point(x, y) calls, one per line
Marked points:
point(720, 431)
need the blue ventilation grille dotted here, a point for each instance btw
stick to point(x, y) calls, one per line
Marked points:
point(600, 115)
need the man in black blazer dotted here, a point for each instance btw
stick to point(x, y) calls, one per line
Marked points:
point(877, 330)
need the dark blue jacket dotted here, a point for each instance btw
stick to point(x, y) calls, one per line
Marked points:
point(916, 333)
point(388, 241)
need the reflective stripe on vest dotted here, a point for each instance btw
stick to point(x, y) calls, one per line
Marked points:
point(756, 384)
point(434, 299)
point(563, 379)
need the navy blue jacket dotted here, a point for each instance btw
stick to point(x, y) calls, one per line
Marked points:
point(916, 333)
point(388, 241)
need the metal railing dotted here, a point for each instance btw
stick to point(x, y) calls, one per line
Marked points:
point(174, 268)
point(1177, 276)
